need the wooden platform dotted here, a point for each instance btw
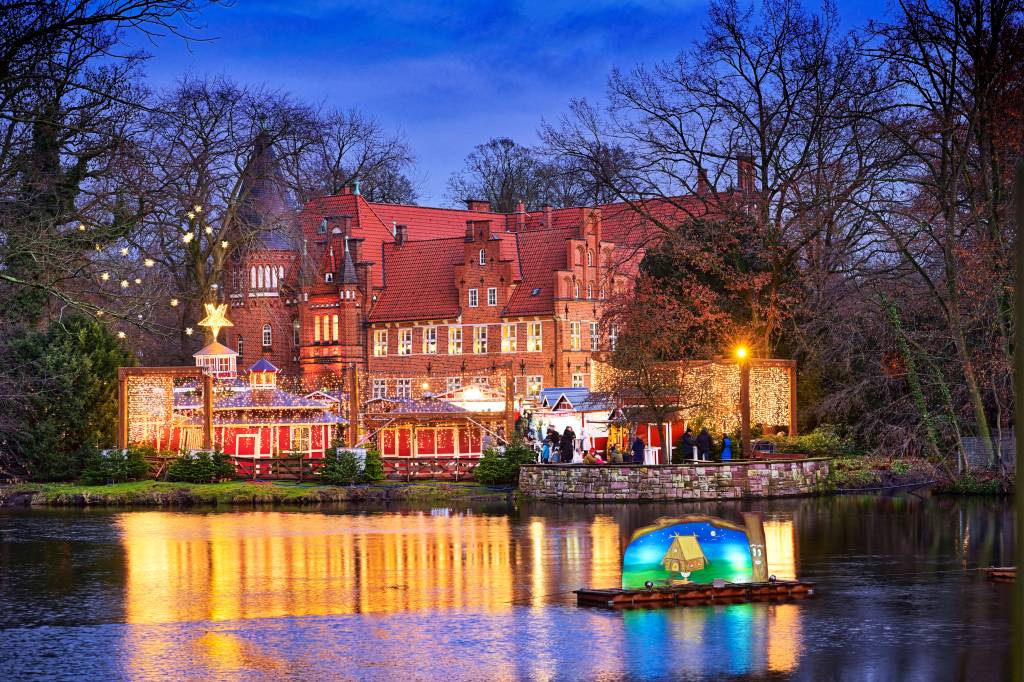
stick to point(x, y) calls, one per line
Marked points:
point(686, 595)
point(1001, 574)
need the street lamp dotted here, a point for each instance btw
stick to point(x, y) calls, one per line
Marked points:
point(742, 360)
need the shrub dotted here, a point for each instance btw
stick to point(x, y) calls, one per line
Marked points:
point(201, 467)
point(116, 467)
point(825, 441)
point(340, 467)
point(373, 467)
point(501, 467)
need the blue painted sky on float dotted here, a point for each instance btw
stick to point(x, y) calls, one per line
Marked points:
point(449, 75)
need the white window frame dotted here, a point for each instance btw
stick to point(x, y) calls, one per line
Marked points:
point(380, 388)
point(492, 296)
point(534, 337)
point(579, 380)
point(574, 335)
point(268, 335)
point(474, 298)
point(380, 343)
point(334, 328)
point(480, 339)
point(534, 384)
point(430, 340)
point(482, 258)
point(300, 434)
point(240, 346)
point(509, 337)
point(590, 291)
point(405, 341)
point(595, 336)
point(613, 337)
point(453, 383)
point(576, 290)
point(403, 388)
point(455, 340)
point(328, 277)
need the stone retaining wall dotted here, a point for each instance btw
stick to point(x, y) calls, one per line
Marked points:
point(710, 481)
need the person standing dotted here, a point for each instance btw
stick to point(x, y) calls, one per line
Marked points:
point(567, 445)
point(638, 450)
point(704, 445)
point(552, 439)
point(689, 448)
point(726, 448)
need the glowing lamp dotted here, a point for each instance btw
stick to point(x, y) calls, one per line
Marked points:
point(741, 352)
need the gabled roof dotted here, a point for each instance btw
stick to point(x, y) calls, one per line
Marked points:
point(576, 399)
point(263, 365)
point(541, 254)
point(413, 406)
point(419, 281)
point(215, 348)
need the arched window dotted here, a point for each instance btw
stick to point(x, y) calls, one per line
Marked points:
point(579, 256)
point(241, 347)
point(266, 276)
point(252, 278)
point(268, 335)
point(576, 289)
point(274, 277)
point(280, 272)
point(483, 256)
point(259, 278)
point(590, 291)
point(590, 257)
point(601, 293)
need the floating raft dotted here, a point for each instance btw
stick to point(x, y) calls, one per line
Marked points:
point(703, 593)
point(1001, 574)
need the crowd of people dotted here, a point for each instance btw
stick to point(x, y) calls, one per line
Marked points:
point(567, 448)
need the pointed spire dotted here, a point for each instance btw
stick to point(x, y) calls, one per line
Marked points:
point(348, 268)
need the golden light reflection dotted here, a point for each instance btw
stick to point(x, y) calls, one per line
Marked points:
point(783, 637)
point(780, 546)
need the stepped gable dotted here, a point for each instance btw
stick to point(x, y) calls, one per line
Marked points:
point(419, 282)
point(541, 253)
point(264, 198)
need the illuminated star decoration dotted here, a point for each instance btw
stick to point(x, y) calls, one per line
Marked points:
point(216, 318)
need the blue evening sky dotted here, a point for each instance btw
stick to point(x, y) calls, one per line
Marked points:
point(449, 75)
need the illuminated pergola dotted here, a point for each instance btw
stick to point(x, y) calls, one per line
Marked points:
point(145, 401)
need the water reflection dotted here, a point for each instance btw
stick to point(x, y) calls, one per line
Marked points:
point(487, 594)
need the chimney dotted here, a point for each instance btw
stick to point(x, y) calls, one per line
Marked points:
point(520, 216)
point(401, 234)
point(547, 216)
point(478, 205)
point(703, 186)
point(745, 172)
point(346, 190)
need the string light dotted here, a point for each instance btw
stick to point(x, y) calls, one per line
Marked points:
point(81, 227)
point(197, 208)
point(188, 331)
point(124, 284)
point(124, 252)
point(187, 237)
point(191, 215)
point(174, 303)
point(105, 276)
point(138, 280)
point(224, 244)
point(149, 262)
point(208, 230)
point(121, 335)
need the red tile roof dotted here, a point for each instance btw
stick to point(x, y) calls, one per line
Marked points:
point(541, 254)
point(419, 281)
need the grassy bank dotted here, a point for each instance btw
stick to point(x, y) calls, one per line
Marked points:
point(162, 494)
point(874, 472)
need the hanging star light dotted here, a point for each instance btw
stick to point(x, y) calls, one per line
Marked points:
point(124, 252)
point(149, 262)
point(216, 318)
point(105, 276)
point(187, 237)
point(174, 303)
point(120, 335)
point(188, 330)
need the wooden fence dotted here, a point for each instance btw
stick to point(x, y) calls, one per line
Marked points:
point(440, 467)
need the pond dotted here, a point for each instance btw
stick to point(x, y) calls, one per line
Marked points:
point(486, 593)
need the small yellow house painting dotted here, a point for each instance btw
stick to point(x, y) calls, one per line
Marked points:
point(684, 555)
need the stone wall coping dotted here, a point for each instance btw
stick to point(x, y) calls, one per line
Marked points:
point(731, 462)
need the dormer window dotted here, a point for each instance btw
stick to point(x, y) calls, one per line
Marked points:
point(483, 256)
point(328, 277)
point(322, 227)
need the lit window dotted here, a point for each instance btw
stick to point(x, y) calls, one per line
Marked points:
point(534, 384)
point(454, 340)
point(533, 336)
point(403, 388)
point(492, 296)
point(577, 381)
point(454, 383)
point(430, 339)
point(481, 381)
point(480, 338)
point(405, 342)
point(241, 346)
point(574, 336)
point(300, 439)
point(268, 335)
point(473, 298)
point(334, 328)
point(613, 338)
point(380, 342)
point(328, 277)
point(327, 328)
point(380, 388)
point(252, 278)
point(509, 332)
point(595, 337)
point(296, 340)
point(316, 329)
point(483, 256)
